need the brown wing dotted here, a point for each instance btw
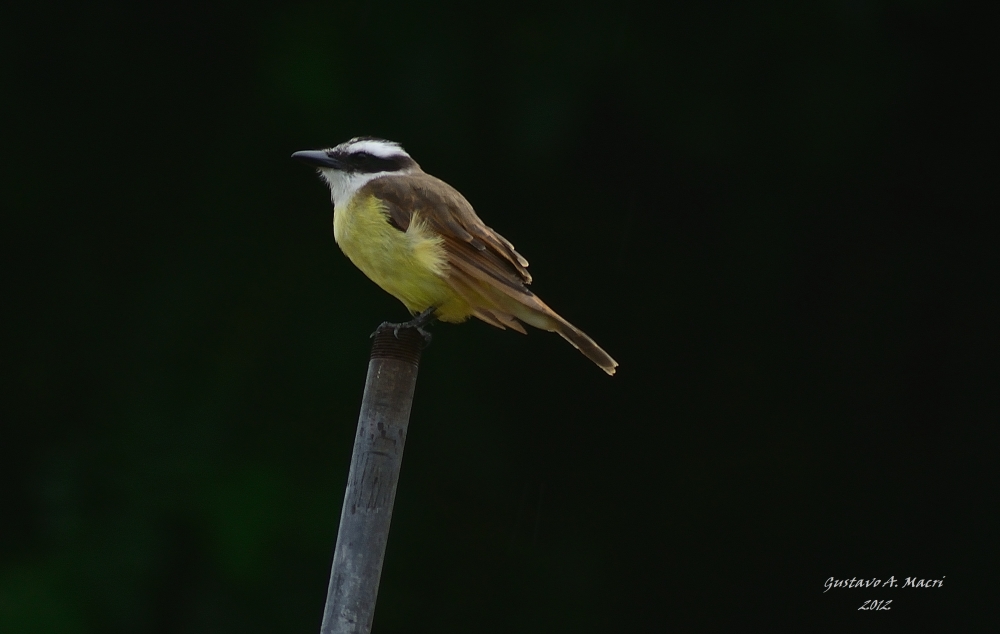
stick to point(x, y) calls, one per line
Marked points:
point(472, 247)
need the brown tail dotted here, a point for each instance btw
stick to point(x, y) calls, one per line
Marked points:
point(587, 346)
point(502, 306)
point(545, 318)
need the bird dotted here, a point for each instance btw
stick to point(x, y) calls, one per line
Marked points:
point(420, 240)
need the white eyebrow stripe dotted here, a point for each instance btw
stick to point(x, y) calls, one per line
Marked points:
point(381, 149)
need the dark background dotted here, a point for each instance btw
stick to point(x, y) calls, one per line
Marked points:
point(773, 215)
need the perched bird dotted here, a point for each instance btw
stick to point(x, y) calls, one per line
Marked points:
point(420, 240)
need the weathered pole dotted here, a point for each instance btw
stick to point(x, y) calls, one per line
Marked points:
point(371, 483)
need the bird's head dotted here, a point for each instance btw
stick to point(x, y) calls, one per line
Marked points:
point(348, 166)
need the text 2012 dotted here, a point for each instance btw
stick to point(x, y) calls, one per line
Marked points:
point(875, 604)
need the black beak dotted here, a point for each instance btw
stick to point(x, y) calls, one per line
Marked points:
point(318, 158)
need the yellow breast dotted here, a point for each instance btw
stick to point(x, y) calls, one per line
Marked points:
point(408, 265)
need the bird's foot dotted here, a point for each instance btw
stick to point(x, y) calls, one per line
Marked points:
point(425, 318)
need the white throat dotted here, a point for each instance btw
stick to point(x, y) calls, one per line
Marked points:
point(343, 186)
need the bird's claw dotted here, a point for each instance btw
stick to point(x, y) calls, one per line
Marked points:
point(423, 319)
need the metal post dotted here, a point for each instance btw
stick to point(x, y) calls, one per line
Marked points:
point(371, 483)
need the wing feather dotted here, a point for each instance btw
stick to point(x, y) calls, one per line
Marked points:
point(474, 249)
